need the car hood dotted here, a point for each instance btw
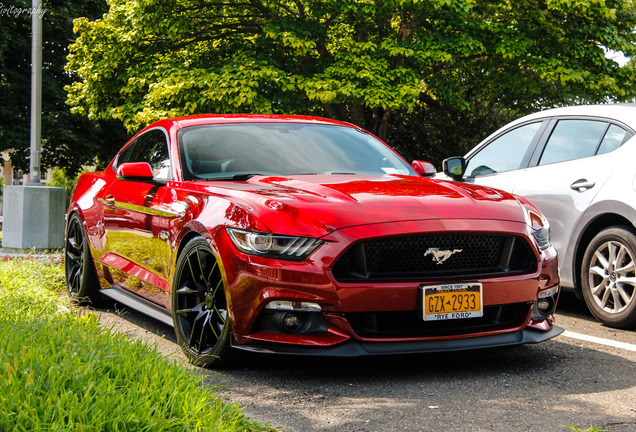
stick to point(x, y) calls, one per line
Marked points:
point(315, 205)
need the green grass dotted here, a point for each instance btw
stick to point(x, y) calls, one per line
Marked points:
point(60, 370)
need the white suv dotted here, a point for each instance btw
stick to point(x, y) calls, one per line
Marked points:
point(578, 165)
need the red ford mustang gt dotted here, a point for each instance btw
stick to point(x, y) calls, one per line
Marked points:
point(303, 235)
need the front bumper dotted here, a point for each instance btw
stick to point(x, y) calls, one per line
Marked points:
point(354, 348)
point(254, 281)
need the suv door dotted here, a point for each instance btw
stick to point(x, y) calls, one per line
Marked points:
point(567, 172)
point(561, 168)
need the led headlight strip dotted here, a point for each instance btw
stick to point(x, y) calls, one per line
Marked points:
point(273, 245)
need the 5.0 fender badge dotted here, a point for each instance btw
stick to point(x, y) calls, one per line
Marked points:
point(439, 256)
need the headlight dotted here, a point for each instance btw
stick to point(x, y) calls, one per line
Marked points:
point(273, 245)
point(540, 228)
point(542, 237)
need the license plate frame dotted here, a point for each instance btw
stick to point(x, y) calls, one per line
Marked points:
point(450, 301)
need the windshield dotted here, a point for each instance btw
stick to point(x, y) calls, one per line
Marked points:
point(226, 151)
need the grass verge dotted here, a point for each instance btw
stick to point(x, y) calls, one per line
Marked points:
point(61, 370)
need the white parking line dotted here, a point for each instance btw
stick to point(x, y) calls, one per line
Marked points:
point(600, 341)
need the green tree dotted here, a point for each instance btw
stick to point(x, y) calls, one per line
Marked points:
point(404, 69)
point(68, 140)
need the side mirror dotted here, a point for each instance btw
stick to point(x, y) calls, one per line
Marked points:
point(425, 169)
point(454, 167)
point(135, 171)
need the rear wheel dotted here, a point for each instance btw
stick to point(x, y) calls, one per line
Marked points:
point(81, 280)
point(199, 306)
point(608, 277)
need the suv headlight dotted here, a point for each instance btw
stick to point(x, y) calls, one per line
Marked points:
point(273, 245)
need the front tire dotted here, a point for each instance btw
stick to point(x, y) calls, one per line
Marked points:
point(81, 280)
point(608, 277)
point(199, 306)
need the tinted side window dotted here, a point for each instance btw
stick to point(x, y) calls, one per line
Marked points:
point(151, 147)
point(573, 139)
point(504, 153)
point(614, 138)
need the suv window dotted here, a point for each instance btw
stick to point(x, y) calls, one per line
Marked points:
point(151, 147)
point(504, 153)
point(576, 139)
point(614, 138)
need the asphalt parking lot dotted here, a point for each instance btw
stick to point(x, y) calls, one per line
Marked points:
point(586, 377)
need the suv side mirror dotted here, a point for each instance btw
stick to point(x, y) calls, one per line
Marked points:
point(454, 167)
point(425, 169)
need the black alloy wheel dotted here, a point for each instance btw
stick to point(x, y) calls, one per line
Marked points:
point(199, 306)
point(81, 280)
point(608, 277)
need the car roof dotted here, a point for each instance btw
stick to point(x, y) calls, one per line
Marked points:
point(623, 112)
point(205, 119)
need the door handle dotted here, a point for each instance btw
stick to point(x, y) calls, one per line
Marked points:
point(582, 185)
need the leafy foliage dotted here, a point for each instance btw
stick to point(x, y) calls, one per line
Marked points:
point(68, 140)
point(420, 63)
point(60, 178)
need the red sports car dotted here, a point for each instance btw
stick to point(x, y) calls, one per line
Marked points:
point(304, 235)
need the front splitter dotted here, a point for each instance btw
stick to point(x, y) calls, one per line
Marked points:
point(353, 348)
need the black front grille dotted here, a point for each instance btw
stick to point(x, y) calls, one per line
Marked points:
point(409, 324)
point(435, 256)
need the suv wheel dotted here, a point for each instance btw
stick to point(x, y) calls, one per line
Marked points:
point(608, 277)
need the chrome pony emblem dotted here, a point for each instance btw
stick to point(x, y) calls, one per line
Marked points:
point(439, 256)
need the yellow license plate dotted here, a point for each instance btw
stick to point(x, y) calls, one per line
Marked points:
point(452, 301)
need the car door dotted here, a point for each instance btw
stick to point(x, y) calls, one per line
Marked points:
point(560, 169)
point(138, 255)
point(568, 170)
